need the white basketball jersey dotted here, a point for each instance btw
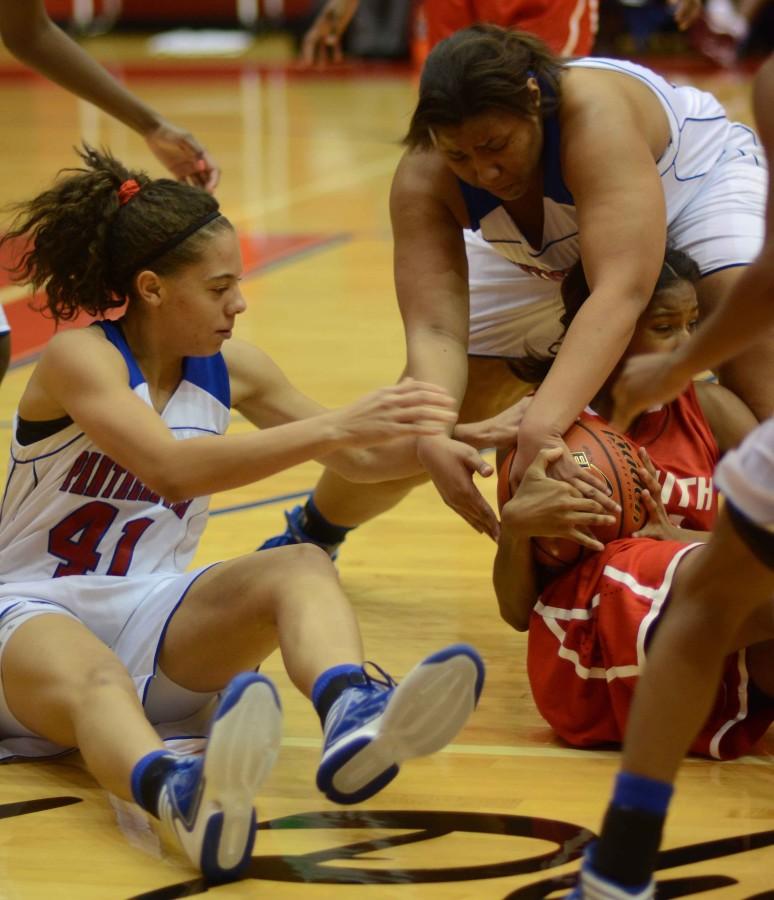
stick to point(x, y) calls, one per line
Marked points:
point(701, 137)
point(68, 509)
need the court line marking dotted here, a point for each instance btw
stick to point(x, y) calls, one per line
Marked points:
point(538, 752)
point(328, 184)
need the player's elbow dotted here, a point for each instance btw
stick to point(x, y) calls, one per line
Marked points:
point(167, 477)
point(22, 34)
point(517, 622)
point(513, 613)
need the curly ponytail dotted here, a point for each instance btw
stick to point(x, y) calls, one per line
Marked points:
point(84, 244)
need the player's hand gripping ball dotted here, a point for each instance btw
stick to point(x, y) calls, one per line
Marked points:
point(613, 458)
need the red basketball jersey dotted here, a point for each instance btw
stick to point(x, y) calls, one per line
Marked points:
point(683, 448)
point(588, 638)
point(590, 629)
point(567, 26)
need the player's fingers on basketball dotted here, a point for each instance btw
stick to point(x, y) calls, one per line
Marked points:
point(591, 520)
point(650, 502)
point(586, 540)
point(592, 507)
point(593, 492)
point(648, 479)
point(647, 462)
point(593, 480)
point(545, 458)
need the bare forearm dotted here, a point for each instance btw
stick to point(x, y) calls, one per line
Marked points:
point(397, 459)
point(199, 466)
point(741, 320)
point(38, 42)
point(514, 580)
point(439, 359)
point(589, 353)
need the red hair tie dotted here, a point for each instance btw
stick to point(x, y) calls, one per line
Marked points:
point(127, 190)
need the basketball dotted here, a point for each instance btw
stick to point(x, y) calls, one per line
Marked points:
point(613, 458)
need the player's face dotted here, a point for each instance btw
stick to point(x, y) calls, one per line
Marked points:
point(496, 151)
point(203, 300)
point(669, 320)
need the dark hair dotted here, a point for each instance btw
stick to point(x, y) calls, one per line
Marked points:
point(480, 69)
point(85, 246)
point(533, 368)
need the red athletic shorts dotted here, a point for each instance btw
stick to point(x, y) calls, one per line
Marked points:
point(588, 637)
point(567, 26)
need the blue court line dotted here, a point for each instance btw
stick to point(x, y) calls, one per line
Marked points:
point(280, 498)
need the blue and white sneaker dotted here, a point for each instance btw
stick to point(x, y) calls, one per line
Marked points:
point(592, 886)
point(372, 728)
point(295, 534)
point(209, 803)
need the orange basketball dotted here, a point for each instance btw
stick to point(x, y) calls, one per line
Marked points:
point(613, 457)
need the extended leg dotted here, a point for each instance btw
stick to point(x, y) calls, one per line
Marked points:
point(238, 612)
point(718, 591)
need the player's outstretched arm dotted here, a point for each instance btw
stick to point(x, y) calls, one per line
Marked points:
point(265, 397)
point(32, 37)
point(80, 374)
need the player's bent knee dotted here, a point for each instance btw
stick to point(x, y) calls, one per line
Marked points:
point(107, 674)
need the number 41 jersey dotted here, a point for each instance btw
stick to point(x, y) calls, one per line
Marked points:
point(68, 509)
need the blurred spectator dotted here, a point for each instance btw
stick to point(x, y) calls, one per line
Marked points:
point(378, 24)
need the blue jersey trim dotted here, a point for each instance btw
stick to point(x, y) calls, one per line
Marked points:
point(558, 240)
point(207, 372)
point(479, 203)
point(210, 374)
point(115, 335)
point(735, 265)
point(553, 184)
point(34, 459)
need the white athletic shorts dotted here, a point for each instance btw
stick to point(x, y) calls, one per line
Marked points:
point(4, 326)
point(724, 223)
point(746, 476)
point(722, 226)
point(508, 307)
point(134, 634)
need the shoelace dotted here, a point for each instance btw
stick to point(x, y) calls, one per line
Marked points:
point(386, 680)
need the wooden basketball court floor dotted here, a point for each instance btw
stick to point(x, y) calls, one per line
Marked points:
point(505, 810)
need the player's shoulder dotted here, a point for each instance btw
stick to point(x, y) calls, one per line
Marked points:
point(424, 185)
point(606, 98)
point(424, 172)
point(85, 346)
